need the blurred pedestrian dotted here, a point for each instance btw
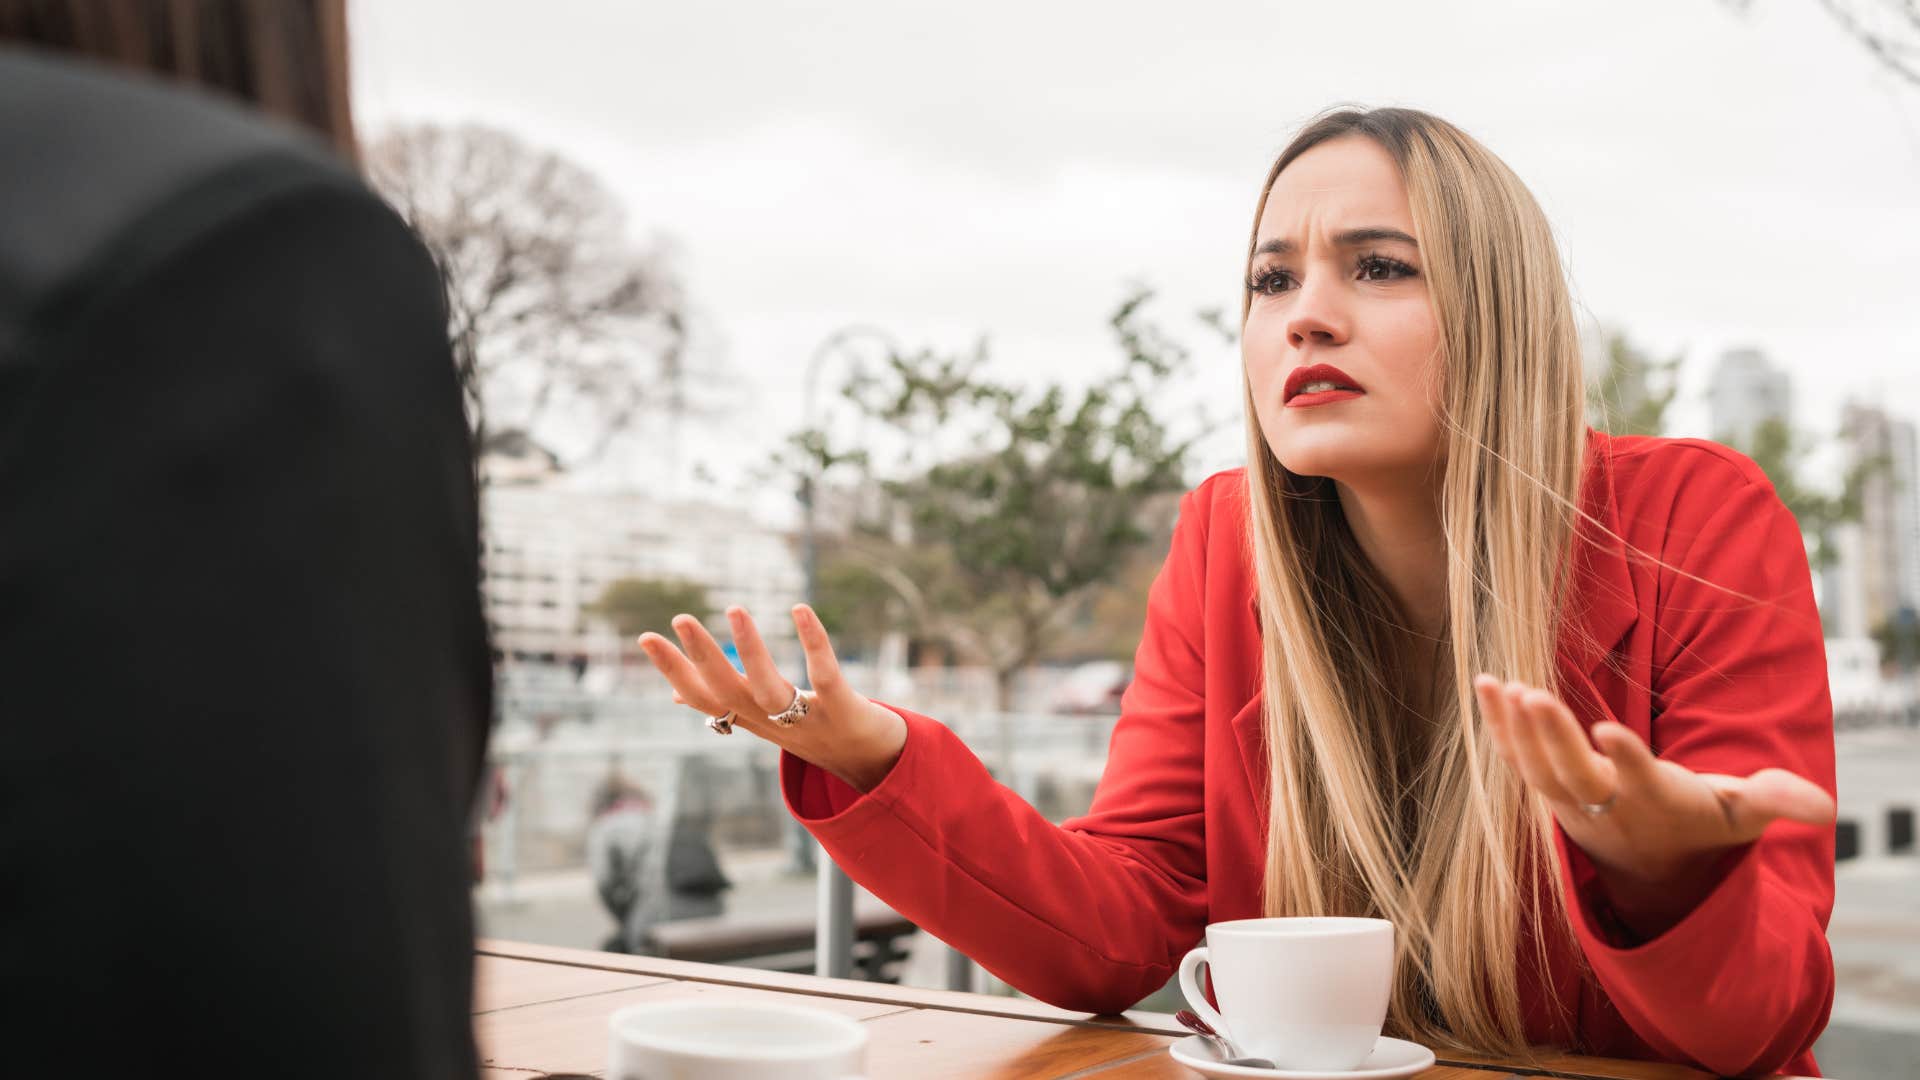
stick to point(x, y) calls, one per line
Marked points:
point(625, 857)
point(651, 867)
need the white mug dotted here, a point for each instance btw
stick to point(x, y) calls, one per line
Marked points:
point(1307, 992)
point(696, 1040)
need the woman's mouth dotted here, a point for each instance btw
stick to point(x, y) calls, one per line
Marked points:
point(1319, 384)
point(1308, 398)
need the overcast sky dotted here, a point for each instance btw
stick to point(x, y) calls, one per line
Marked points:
point(1006, 169)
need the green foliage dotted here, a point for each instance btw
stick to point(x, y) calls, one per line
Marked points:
point(853, 600)
point(634, 605)
point(1108, 617)
point(1779, 451)
point(1899, 641)
point(990, 545)
point(870, 586)
point(1633, 390)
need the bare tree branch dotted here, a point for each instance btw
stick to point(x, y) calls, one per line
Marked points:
point(557, 319)
point(1892, 35)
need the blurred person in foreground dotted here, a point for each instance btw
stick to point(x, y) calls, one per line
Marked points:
point(1554, 702)
point(242, 656)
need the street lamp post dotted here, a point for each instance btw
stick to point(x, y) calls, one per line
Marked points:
point(809, 550)
point(833, 934)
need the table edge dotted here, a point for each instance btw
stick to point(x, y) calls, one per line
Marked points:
point(1134, 1020)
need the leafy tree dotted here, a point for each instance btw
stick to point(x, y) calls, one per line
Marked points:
point(1108, 619)
point(995, 543)
point(561, 327)
point(634, 605)
point(1888, 29)
point(1631, 394)
point(1899, 640)
point(852, 597)
point(1779, 451)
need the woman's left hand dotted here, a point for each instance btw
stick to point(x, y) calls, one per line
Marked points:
point(1662, 824)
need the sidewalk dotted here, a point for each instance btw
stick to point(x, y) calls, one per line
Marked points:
point(561, 907)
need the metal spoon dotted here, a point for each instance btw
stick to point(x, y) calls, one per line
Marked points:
point(1223, 1048)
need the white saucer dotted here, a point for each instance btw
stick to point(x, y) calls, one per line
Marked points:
point(1390, 1058)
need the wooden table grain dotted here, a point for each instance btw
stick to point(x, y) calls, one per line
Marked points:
point(540, 1009)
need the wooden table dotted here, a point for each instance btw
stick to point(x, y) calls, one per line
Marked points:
point(539, 1009)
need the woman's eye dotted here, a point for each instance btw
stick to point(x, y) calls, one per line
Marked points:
point(1378, 268)
point(1375, 268)
point(1271, 282)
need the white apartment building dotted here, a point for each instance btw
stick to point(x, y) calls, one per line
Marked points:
point(552, 549)
point(1745, 391)
point(1886, 547)
point(1843, 587)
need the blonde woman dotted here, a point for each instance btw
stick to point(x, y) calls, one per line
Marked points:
point(1553, 702)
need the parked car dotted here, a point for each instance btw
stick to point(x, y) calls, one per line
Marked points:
point(1093, 688)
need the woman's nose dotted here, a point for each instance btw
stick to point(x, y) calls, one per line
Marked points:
point(1316, 317)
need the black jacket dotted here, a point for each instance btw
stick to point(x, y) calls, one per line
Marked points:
point(244, 677)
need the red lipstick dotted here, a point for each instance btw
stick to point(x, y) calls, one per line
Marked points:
point(1343, 386)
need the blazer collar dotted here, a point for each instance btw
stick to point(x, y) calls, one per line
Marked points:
point(1601, 609)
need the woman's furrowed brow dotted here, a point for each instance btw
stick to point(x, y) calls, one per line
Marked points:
point(1349, 238)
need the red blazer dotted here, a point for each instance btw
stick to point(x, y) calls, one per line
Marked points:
point(1095, 913)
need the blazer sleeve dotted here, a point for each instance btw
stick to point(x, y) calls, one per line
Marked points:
point(1092, 914)
point(242, 617)
point(1743, 982)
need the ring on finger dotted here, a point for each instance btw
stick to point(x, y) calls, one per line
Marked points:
point(801, 704)
point(1595, 809)
point(722, 724)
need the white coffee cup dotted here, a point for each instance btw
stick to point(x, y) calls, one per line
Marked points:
point(696, 1040)
point(1309, 993)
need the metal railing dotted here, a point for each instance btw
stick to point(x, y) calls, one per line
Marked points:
point(553, 747)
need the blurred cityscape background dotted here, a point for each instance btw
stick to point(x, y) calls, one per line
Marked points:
point(929, 319)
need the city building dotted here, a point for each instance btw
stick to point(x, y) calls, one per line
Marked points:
point(1745, 392)
point(552, 549)
point(1886, 549)
point(1843, 588)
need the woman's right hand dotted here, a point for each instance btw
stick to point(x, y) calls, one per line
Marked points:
point(853, 738)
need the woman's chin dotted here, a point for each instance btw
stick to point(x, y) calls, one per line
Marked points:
point(1318, 455)
point(1329, 471)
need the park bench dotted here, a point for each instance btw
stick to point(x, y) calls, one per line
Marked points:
point(784, 941)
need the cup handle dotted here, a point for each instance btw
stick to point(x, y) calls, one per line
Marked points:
point(1194, 992)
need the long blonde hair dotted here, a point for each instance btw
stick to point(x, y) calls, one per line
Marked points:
point(1460, 873)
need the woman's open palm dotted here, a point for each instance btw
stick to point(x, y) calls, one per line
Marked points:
point(842, 732)
point(1659, 817)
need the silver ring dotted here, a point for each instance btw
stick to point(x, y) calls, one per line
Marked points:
point(722, 724)
point(801, 704)
point(1595, 809)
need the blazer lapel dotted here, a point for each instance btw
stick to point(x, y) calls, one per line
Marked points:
point(1249, 731)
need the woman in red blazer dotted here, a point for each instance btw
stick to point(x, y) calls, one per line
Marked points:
point(1553, 701)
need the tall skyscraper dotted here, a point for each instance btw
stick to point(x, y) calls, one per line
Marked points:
point(1843, 586)
point(1745, 392)
point(1888, 545)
